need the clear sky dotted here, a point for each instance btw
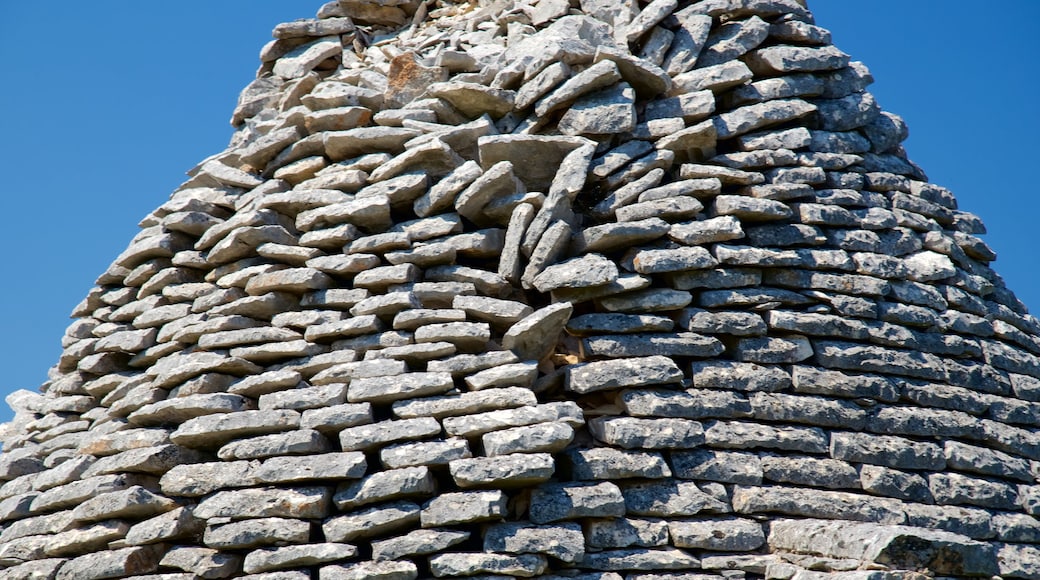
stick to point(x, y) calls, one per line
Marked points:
point(107, 104)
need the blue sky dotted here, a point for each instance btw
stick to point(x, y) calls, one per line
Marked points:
point(106, 105)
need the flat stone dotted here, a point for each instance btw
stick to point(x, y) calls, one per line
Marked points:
point(886, 543)
point(793, 59)
point(265, 559)
point(134, 502)
point(502, 470)
point(606, 111)
point(622, 373)
point(599, 75)
point(301, 60)
point(544, 437)
point(586, 271)
point(555, 502)
point(312, 467)
point(673, 260)
point(534, 336)
point(634, 433)
point(473, 99)
point(363, 523)
point(389, 389)
point(371, 571)
point(817, 504)
point(257, 532)
point(417, 543)
point(468, 564)
point(387, 485)
point(626, 532)
point(607, 463)
point(753, 117)
point(742, 435)
point(306, 502)
point(111, 564)
point(464, 507)
point(685, 344)
point(424, 453)
point(596, 323)
point(730, 534)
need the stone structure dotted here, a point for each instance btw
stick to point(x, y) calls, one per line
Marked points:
point(586, 289)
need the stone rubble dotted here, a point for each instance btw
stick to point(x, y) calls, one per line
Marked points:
point(603, 289)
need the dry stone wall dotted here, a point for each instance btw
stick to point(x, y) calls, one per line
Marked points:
point(594, 289)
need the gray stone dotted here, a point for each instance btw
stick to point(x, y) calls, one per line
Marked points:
point(214, 430)
point(688, 41)
point(673, 260)
point(464, 507)
point(172, 525)
point(594, 323)
point(817, 504)
point(588, 270)
point(607, 111)
point(390, 389)
point(608, 463)
point(565, 501)
point(545, 437)
point(686, 344)
point(289, 443)
point(615, 374)
point(134, 502)
point(730, 534)
point(741, 435)
point(887, 450)
point(534, 336)
point(203, 562)
point(468, 564)
point(893, 483)
point(418, 542)
point(722, 466)
point(265, 559)
point(753, 117)
point(625, 532)
point(900, 547)
point(717, 229)
point(640, 559)
point(424, 453)
point(369, 522)
point(371, 571)
point(825, 473)
point(111, 564)
point(633, 433)
point(303, 502)
point(692, 404)
point(312, 467)
point(793, 59)
point(741, 376)
point(564, 542)
point(387, 485)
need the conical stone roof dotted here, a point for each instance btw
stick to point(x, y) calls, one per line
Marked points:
point(593, 290)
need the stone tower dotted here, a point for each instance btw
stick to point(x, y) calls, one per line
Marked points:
point(587, 289)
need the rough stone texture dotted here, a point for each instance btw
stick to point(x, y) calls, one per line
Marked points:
point(601, 290)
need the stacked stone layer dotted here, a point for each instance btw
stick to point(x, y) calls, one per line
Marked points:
point(598, 290)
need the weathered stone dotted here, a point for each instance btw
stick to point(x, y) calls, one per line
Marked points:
point(615, 374)
point(386, 485)
point(633, 433)
point(305, 502)
point(555, 502)
point(468, 564)
point(900, 547)
point(419, 542)
point(464, 507)
point(371, 571)
point(111, 564)
point(257, 532)
point(608, 463)
point(264, 559)
point(730, 534)
point(373, 521)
